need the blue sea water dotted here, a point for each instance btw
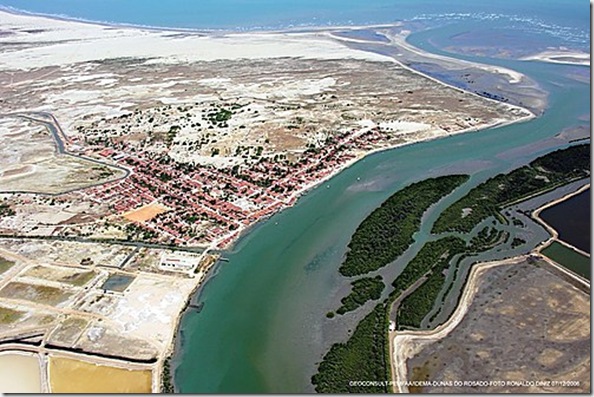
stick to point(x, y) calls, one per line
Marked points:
point(569, 18)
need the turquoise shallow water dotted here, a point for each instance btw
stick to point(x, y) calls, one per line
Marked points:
point(550, 15)
point(263, 325)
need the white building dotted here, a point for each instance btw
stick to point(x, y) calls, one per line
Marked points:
point(392, 326)
point(178, 261)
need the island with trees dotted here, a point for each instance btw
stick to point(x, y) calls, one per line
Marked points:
point(365, 355)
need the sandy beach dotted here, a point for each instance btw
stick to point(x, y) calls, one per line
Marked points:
point(400, 39)
point(83, 42)
point(565, 57)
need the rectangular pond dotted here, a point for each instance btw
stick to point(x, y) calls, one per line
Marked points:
point(117, 282)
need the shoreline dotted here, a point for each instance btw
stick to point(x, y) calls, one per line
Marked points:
point(203, 31)
point(406, 344)
point(554, 233)
point(293, 199)
point(410, 54)
point(581, 59)
point(400, 40)
point(578, 58)
point(529, 115)
point(162, 45)
point(243, 230)
point(169, 351)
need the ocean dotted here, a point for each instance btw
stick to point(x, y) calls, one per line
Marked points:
point(263, 326)
point(568, 16)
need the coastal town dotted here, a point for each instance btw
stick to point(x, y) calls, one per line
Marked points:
point(134, 162)
point(198, 173)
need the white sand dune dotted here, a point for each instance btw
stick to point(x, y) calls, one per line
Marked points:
point(71, 42)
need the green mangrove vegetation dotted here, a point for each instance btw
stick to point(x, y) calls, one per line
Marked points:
point(388, 231)
point(432, 260)
point(166, 379)
point(541, 175)
point(488, 237)
point(434, 254)
point(362, 358)
point(417, 305)
point(363, 290)
point(365, 355)
point(517, 241)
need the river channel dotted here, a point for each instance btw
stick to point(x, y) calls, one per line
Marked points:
point(263, 326)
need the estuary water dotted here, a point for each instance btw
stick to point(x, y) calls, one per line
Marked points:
point(263, 326)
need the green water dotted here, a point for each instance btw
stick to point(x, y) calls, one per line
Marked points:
point(569, 258)
point(263, 326)
point(117, 282)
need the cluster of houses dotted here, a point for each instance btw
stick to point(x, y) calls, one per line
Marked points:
point(209, 205)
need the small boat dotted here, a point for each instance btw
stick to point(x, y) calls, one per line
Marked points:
point(198, 307)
